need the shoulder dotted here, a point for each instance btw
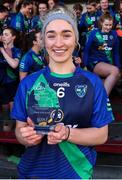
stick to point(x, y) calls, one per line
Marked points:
point(84, 14)
point(27, 55)
point(113, 32)
point(17, 52)
point(113, 35)
point(92, 77)
point(29, 80)
point(15, 49)
point(36, 17)
point(93, 33)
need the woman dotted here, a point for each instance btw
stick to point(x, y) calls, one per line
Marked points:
point(33, 60)
point(20, 21)
point(101, 54)
point(89, 19)
point(88, 22)
point(9, 61)
point(52, 3)
point(60, 138)
point(37, 21)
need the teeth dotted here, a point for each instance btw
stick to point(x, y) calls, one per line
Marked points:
point(59, 51)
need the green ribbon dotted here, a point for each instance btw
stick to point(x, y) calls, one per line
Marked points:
point(77, 159)
point(37, 60)
point(88, 20)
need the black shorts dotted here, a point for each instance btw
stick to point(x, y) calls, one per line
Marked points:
point(7, 92)
point(92, 65)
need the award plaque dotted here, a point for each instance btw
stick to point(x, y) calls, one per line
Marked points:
point(43, 107)
point(42, 118)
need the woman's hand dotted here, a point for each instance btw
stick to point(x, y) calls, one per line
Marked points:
point(77, 60)
point(60, 134)
point(27, 135)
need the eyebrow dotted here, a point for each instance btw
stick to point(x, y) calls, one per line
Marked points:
point(64, 31)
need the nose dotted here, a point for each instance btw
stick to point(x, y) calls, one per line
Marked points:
point(59, 41)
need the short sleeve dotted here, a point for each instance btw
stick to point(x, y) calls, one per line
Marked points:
point(25, 63)
point(19, 106)
point(17, 54)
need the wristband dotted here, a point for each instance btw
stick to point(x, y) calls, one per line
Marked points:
point(68, 133)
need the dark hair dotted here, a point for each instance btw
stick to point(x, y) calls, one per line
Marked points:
point(43, 2)
point(15, 33)
point(27, 2)
point(116, 5)
point(105, 16)
point(3, 9)
point(78, 6)
point(92, 3)
point(30, 38)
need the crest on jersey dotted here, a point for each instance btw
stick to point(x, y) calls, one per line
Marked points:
point(81, 90)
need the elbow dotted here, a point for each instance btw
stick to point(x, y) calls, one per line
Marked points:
point(103, 139)
point(103, 136)
point(14, 66)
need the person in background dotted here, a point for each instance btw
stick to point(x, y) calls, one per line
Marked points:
point(97, 5)
point(9, 62)
point(20, 20)
point(101, 54)
point(63, 146)
point(78, 9)
point(88, 22)
point(77, 54)
point(33, 60)
point(42, 10)
point(16, 6)
point(52, 3)
point(105, 7)
point(7, 4)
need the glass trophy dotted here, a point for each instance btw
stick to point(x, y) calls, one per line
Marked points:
point(43, 107)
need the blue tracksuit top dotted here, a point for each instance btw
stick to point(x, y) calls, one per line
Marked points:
point(102, 47)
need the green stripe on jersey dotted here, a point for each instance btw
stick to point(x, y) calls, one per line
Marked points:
point(77, 159)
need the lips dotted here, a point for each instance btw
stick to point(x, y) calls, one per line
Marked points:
point(59, 51)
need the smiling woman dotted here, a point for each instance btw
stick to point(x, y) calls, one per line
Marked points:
point(101, 54)
point(60, 43)
point(61, 111)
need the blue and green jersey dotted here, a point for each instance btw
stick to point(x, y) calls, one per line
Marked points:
point(102, 47)
point(21, 23)
point(32, 62)
point(77, 100)
point(10, 74)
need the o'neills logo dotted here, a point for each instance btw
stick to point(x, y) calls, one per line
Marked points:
point(64, 84)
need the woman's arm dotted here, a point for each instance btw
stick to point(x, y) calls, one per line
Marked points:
point(22, 75)
point(82, 136)
point(89, 136)
point(11, 61)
